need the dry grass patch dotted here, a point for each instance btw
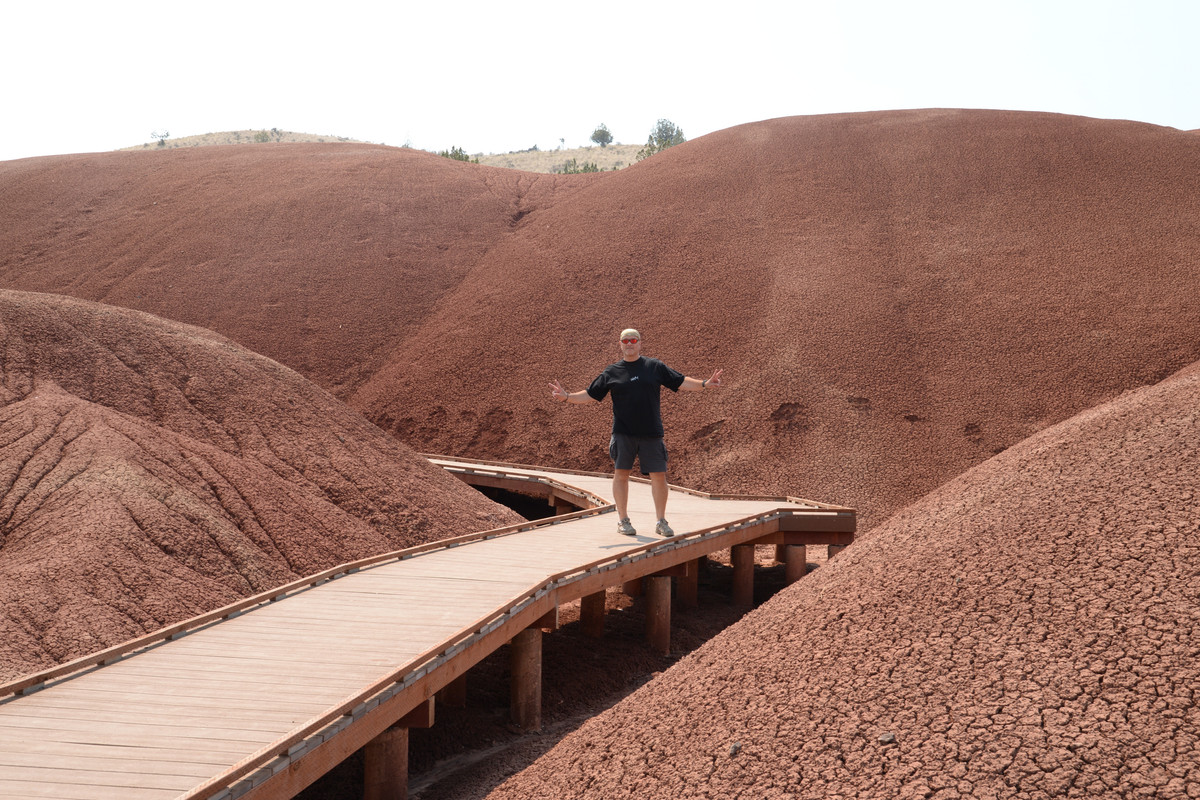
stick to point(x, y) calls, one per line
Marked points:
point(615, 156)
point(240, 137)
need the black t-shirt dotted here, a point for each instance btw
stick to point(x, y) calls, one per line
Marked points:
point(635, 387)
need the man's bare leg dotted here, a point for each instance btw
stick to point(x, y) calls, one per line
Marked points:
point(658, 490)
point(621, 492)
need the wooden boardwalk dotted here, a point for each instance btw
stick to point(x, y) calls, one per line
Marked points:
point(262, 697)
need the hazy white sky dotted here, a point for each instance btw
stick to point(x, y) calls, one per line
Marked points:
point(496, 77)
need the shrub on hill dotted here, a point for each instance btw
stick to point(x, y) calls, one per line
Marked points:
point(458, 154)
point(665, 134)
point(573, 167)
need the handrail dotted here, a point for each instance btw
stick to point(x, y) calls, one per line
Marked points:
point(766, 498)
point(574, 491)
point(511, 464)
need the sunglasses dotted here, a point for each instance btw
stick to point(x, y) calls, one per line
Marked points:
point(629, 341)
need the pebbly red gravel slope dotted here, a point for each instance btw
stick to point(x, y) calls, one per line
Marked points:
point(151, 471)
point(1030, 629)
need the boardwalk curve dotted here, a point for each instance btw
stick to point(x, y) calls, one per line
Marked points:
point(262, 697)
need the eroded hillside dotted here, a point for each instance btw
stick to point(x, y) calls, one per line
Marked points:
point(152, 471)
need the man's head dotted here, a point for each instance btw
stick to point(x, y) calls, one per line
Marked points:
point(631, 344)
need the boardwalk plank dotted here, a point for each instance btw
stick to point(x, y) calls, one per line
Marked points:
point(179, 704)
point(243, 719)
point(201, 670)
point(29, 790)
point(181, 693)
point(213, 667)
point(131, 779)
point(110, 732)
point(47, 750)
point(177, 766)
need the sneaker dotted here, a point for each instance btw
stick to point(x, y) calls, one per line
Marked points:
point(626, 527)
point(663, 529)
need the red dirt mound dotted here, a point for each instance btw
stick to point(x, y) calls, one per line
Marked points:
point(1030, 629)
point(895, 297)
point(152, 471)
point(322, 257)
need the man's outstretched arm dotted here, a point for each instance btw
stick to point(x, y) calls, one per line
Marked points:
point(559, 393)
point(696, 385)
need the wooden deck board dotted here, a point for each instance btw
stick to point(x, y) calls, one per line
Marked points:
point(10, 759)
point(28, 790)
point(264, 626)
point(204, 691)
point(244, 718)
point(97, 777)
point(178, 694)
point(128, 732)
point(170, 703)
point(114, 757)
point(380, 610)
point(219, 662)
point(216, 743)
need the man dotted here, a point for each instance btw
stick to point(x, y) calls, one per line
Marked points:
point(635, 383)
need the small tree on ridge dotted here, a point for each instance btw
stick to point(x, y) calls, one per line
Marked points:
point(665, 134)
point(602, 135)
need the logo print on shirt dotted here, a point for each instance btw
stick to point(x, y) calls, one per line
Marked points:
point(634, 378)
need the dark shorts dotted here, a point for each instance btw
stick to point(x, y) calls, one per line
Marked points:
point(650, 451)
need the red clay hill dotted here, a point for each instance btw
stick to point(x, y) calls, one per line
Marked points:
point(1031, 629)
point(327, 258)
point(895, 297)
point(958, 321)
point(153, 470)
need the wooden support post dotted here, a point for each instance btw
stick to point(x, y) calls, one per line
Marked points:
point(834, 549)
point(632, 588)
point(591, 614)
point(781, 554)
point(385, 758)
point(385, 766)
point(687, 588)
point(525, 689)
point(454, 694)
point(658, 613)
point(742, 556)
point(796, 559)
